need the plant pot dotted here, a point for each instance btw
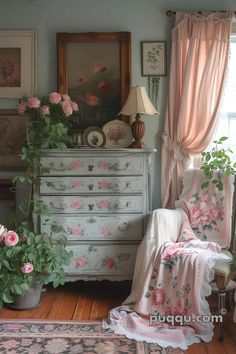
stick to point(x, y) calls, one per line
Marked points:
point(29, 300)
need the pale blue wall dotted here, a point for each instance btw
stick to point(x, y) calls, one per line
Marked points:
point(145, 19)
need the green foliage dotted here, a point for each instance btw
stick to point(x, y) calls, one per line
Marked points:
point(217, 163)
point(40, 250)
point(45, 256)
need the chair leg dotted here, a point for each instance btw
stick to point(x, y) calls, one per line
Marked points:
point(221, 306)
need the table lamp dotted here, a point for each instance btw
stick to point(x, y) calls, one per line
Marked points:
point(138, 103)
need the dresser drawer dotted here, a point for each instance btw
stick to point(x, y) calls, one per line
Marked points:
point(126, 165)
point(94, 204)
point(78, 185)
point(96, 227)
point(103, 259)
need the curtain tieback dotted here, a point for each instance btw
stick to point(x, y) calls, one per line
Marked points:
point(179, 152)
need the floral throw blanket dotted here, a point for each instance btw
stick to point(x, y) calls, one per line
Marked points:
point(173, 270)
point(171, 302)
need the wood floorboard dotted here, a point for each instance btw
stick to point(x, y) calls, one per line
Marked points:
point(92, 301)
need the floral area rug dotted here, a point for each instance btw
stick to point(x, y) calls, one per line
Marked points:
point(70, 337)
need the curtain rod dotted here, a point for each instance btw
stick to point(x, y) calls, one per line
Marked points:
point(170, 13)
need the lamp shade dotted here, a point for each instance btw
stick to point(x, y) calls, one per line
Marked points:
point(138, 102)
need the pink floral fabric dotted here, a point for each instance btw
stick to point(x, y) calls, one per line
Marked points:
point(175, 267)
point(176, 284)
point(208, 209)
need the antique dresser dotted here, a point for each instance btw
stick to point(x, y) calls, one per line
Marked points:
point(99, 199)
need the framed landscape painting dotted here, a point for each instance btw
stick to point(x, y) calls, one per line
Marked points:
point(17, 63)
point(94, 69)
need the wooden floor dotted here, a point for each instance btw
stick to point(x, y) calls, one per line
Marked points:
point(93, 300)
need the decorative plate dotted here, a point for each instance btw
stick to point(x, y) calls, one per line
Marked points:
point(118, 134)
point(94, 137)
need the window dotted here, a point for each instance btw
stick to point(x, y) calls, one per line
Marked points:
point(227, 119)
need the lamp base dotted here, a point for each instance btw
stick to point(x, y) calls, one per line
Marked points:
point(138, 129)
point(137, 145)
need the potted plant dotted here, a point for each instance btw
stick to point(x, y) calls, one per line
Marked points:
point(216, 163)
point(30, 259)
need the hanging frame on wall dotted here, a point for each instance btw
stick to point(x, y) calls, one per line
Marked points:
point(153, 56)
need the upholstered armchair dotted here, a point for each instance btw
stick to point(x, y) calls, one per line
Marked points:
point(183, 252)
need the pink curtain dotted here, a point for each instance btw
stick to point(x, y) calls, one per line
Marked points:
point(199, 55)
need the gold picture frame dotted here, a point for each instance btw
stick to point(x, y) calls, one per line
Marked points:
point(95, 70)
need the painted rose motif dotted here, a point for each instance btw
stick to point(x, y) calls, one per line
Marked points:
point(109, 263)
point(104, 230)
point(75, 204)
point(104, 184)
point(77, 184)
point(76, 164)
point(103, 165)
point(103, 204)
point(76, 230)
point(81, 261)
point(158, 297)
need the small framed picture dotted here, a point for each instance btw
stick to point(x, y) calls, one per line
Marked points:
point(153, 55)
point(17, 63)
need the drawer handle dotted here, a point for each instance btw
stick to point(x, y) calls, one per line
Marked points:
point(60, 187)
point(116, 167)
point(57, 207)
point(119, 206)
point(124, 227)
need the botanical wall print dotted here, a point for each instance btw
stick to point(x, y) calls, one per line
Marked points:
point(12, 137)
point(94, 69)
point(17, 64)
point(153, 56)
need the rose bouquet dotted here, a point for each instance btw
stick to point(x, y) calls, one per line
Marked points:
point(49, 119)
point(26, 258)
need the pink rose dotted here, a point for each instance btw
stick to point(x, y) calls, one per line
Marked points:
point(99, 68)
point(76, 164)
point(103, 165)
point(33, 102)
point(92, 100)
point(45, 110)
point(217, 214)
point(27, 268)
point(11, 238)
point(103, 203)
point(104, 230)
point(77, 184)
point(67, 109)
point(74, 106)
point(55, 97)
point(75, 204)
point(104, 184)
point(66, 97)
point(22, 107)
point(81, 261)
point(76, 230)
point(158, 297)
point(103, 86)
point(109, 263)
